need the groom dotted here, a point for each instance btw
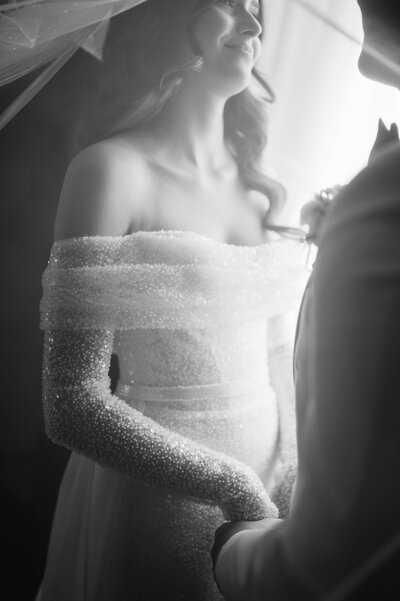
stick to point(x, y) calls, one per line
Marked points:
point(342, 538)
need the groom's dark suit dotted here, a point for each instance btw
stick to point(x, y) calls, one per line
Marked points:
point(345, 513)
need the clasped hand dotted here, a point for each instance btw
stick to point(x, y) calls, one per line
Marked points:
point(227, 530)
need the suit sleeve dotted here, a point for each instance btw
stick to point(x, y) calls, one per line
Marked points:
point(345, 507)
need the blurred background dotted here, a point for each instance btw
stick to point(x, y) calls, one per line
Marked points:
point(325, 118)
point(322, 128)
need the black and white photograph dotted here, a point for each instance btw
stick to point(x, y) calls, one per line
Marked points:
point(200, 309)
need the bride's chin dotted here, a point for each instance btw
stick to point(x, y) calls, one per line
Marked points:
point(237, 83)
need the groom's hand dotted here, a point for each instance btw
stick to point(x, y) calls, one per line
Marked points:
point(227, 530)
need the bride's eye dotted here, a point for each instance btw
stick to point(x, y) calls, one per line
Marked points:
point(229, 3)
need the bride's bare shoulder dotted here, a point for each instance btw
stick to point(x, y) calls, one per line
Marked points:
point(105, 191)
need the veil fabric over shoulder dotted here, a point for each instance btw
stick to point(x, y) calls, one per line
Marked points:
point(44, 34)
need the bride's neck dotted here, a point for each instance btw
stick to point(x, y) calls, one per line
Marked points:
point(193, 127)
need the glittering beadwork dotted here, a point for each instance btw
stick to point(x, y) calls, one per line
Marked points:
point(187, 317)
point(165, 280)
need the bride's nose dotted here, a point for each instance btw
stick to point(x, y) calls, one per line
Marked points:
point(249, 26)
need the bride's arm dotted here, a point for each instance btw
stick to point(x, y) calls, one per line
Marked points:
point(83, 415)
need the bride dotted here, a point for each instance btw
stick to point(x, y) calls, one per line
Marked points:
point(165, 256)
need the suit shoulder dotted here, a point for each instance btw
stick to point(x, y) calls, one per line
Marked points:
point(375, 187)
point(384, 171)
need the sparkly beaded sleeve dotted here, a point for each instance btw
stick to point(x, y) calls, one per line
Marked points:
point(91, 287)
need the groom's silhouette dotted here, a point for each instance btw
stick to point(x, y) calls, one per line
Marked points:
point(342, 538)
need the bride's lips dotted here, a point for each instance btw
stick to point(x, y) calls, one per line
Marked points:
point(242, 48)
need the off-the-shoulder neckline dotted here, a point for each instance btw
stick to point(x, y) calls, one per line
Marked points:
point(169, 234)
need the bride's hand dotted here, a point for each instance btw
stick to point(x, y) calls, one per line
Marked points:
point(248, 500)
point(314, 213)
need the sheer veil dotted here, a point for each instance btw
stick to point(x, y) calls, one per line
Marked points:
point(43, 34)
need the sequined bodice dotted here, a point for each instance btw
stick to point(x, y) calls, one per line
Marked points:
point(185, 357)
point(187, 310)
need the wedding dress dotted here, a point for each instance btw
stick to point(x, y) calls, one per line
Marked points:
point(194, 433)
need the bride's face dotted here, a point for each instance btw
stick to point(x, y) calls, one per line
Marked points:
point(227, 34)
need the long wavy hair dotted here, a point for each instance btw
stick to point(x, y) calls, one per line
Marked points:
point(142, 72)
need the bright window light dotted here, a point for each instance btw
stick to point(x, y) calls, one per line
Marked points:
point(325, 119)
